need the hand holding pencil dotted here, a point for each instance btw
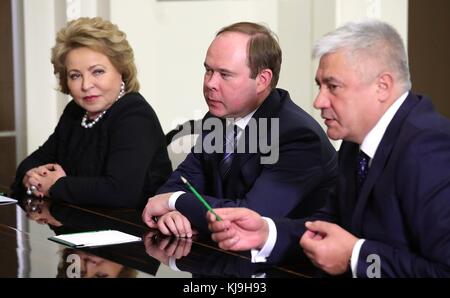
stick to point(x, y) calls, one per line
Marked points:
point(194, 191)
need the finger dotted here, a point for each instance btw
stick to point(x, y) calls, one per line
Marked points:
point(224, 235)
point(171, 249)
point(149, 234)
point(219, 226)
point(187, 227)
point(35, 176)
point(163, 244)
point(187, 247)
point(229, 213)
point(57, 168)
point(31, 171)
point(35, 185)
point(317, 236)
point(42, 171)
point(53, 167)
point(147, 239)
point(50, 166)
point(305, 239)
point(178, 219)
point(309, 234)
point(26, 177)
point(318, 226)
point(229, 243)
point(26, 181)
point(163, 226)
point(144, 214)
point(179, 250)
point(210, 217)
point(147, 218)
point(38, 194)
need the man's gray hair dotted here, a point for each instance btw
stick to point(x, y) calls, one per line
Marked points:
point(368, 38)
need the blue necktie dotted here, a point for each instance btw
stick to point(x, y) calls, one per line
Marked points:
point(362, 170)
point(229, 146)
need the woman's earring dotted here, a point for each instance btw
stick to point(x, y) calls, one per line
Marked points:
point(122, 89)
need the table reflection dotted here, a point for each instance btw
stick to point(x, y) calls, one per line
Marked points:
point(201, 258)
point(108, 261)
point(76, 263)
point(27, 252)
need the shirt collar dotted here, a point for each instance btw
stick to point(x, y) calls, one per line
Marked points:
point(373, 139)
point(242, 121)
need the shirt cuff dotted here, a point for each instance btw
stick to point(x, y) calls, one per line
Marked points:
point(260, 256)
point(355, 256)
point(173, 199)
point(173, 264)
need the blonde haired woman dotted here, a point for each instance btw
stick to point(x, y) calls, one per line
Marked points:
point(108, 148)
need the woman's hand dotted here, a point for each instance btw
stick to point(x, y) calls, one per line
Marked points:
point(39, 180)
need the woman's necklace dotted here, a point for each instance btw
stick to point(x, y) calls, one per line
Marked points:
point(92, 123)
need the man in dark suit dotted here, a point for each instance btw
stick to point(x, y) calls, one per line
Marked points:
point(391, 216)
point(242, 67)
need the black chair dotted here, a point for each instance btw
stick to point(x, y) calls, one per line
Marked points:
point(181, 139)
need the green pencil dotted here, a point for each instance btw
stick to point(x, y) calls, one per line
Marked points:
point(200, 198)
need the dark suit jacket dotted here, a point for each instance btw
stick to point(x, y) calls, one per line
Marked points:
point(403, 210)
point(119, 162)
point(295, 186)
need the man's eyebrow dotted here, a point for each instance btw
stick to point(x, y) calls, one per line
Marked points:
point(328, 80)
point(221, 70)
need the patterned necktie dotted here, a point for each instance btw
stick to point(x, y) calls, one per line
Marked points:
point(362, 170)
point(229, 145)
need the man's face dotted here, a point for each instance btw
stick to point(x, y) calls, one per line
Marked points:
point(347, 99)
point(227, 87)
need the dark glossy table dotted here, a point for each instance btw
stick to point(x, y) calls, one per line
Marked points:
point(25, 250)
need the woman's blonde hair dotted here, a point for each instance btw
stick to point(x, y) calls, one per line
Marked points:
point(99, 35)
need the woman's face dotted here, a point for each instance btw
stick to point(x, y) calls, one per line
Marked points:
point(93, 266)
point(93, 81)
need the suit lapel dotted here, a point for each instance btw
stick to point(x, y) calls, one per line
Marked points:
point(268, 109)
point(347, 179)
point(212, 161)
point(380, 160)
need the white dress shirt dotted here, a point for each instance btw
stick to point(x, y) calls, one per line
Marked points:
point(241, 123)
point(369, 146)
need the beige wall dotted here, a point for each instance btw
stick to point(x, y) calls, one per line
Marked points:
point(170, 40)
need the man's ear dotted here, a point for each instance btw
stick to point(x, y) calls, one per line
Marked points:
point(263, 80)
point(385, 85)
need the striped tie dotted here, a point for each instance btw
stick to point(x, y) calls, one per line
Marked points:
point(229, 146)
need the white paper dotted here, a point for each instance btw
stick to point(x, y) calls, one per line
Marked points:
point(6, 200)
point(95, 238)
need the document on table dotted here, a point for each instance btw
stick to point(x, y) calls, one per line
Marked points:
point(94, 238)
point(6, 200)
